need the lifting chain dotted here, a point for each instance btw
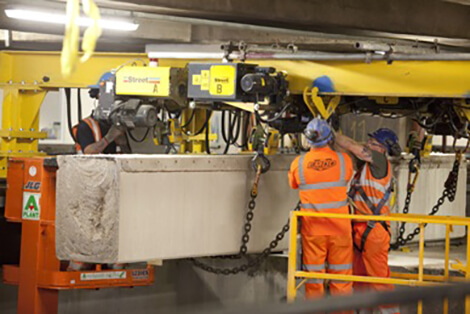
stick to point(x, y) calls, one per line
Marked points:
point(450, 190)
point(261, 164)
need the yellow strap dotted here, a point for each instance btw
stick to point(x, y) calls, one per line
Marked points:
point(69, 57)
point(93, 32)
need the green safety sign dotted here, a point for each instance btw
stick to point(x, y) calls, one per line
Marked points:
point(31, 206)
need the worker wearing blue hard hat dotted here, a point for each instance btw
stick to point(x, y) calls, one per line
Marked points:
point(93, 136)
point(95, 88)
point(322, 176)
point(370, 194)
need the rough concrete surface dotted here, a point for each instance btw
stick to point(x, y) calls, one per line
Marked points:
point(88, 228)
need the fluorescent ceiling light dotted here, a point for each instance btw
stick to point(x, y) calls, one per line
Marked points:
point(56, 18)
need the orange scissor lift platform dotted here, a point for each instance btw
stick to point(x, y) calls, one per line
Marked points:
point(30, 200)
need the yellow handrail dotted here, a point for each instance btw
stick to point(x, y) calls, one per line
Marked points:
point(419, 279)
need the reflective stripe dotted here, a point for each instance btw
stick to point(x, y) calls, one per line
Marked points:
point(340, 266)
point(341, 166)
point(375, 185)
point(333, 205)
point(314, 281)
point(374, 200)
point(314, 267)
point(95, 128)
point(324, 185)
point(301, 170)
point(389, 310)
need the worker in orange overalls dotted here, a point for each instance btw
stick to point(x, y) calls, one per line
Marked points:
point(370, 192)
point(322, 176)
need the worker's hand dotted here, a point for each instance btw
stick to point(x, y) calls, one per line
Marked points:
point(115, 132)
point(414, 144)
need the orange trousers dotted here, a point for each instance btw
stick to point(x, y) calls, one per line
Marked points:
point(333, 254)
point(373, 260)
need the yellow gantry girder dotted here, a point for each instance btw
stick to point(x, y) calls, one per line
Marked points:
point(25, 78)
point(357, 78)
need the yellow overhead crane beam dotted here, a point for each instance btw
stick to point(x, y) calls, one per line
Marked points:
point(25, 78)
point(450, 79)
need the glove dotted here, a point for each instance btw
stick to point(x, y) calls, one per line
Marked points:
point(114, 132)
point(413, 142)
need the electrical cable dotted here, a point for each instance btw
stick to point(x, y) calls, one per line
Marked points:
point(208, 149)
point(142, 139)
point(277, 116)
point(230, 134)
point(79, 104)
point(381, 114)
point(240, 125)
point(208, 116)
point(69, 112)
point(189, 120)
point(245, 127)
point(236, 121)
point(130, 61)
point(222, 128)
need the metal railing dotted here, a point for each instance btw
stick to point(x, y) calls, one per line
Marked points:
point(406, 279)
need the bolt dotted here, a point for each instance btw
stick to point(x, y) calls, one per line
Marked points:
point(35, 82)
point(46, 79)
point(10, 82)
point(32, 130)
point(21, 129)
point(192, 104)
point(22, 82)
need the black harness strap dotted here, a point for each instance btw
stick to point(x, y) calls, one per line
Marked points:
point(375, 210)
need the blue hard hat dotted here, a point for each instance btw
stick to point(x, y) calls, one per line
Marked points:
point(388, 139)
point(106, 76)
point(318, 132)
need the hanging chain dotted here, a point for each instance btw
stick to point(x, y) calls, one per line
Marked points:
point(254, 262)
point(413, 173)
point(450, 190)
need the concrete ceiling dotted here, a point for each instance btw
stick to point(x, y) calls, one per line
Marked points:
point(334, 25)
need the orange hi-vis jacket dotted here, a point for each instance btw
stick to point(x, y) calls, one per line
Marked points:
point(95, 129)
point(371, 196)
point(322, 176)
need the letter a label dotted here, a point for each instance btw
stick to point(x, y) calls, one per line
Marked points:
point(31, 206)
